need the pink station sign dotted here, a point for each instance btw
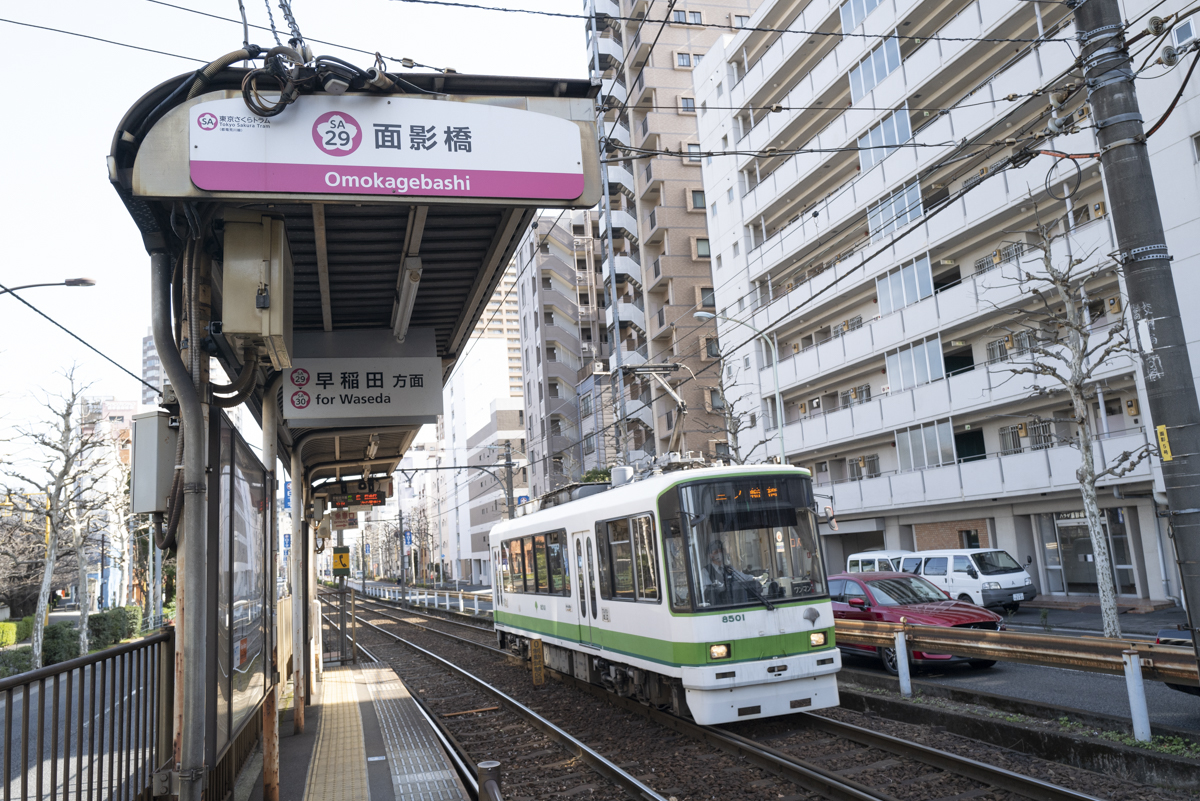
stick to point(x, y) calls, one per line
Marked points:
point(364, 145)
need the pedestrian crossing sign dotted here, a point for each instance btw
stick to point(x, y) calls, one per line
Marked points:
point(341, 560)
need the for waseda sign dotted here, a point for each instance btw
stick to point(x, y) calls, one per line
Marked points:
point(386, 146)
point(346, 388)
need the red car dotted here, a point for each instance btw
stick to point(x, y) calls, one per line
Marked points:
point(887, 597)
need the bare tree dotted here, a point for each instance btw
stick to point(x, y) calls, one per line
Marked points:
point(56, 477)
point(1054, 336)
point(724, 398)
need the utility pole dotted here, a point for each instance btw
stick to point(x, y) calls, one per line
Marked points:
point(610, 277)
point(508, 478)
point(1166, 368)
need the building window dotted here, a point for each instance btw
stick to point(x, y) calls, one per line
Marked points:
point(697, 58)
point(1010, 442)
point(916, 363)
point(585, 406)
point(693, 152)
point(740, 20)
point(904, 285)
point(863, 467)
point(855, 11)
point(924, 446)
point(683, 60)
point(695, 18)
point(708, 298)
point(716, 400)
point(702, 249)
point(698, 199)
point(679, 16)
point(1041, 436)
point(553, 389)
point(895, 211)
point(881, 141)
point(1196, 145)
point(670, 421)
point(589, 443)
point(969, 538)
point(703, 108)
point(881, 63)
point(687, 105)
point(712, 348)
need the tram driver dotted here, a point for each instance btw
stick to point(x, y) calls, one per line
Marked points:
point(723, 584)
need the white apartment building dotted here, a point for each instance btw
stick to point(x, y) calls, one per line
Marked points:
point(870, 225)
point(487, 490)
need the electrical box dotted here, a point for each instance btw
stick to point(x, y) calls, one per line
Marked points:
point(1114, 305)
point(803, 407)
point(152, 462)
point(256, 287)
point(1100, 209)
point(1021, 430)
point(1131, 407)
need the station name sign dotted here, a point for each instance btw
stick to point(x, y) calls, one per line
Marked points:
point(362, 388)
point(368, 145)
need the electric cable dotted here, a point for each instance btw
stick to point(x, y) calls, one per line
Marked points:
point(105, 41)
point(1175, 100)
point(84, 342)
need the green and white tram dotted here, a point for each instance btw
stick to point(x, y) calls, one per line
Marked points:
point(701, 591)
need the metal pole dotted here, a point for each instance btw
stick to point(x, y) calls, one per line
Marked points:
point(902, 665)
point(1138, 714)
point(270, 441)
point(508, 478)
point(778, 397)
point(1154, 306)
point(190, 642)
point(610, 282)
point(299, 543)
point(489, 781)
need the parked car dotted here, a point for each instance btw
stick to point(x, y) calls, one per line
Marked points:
point(985, 576)
point(870, 561)
point(1184, 640)
point(887, 597)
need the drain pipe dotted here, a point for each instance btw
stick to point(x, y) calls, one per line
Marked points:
point(270, 444)
point(190, 644)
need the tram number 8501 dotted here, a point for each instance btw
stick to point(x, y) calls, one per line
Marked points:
point(733, 618)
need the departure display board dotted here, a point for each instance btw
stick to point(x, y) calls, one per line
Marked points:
point(357, 499)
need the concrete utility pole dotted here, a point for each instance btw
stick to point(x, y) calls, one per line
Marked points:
point(1170, 386)
point(610, 279)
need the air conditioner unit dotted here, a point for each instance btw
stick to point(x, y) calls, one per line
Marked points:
point(599, 368)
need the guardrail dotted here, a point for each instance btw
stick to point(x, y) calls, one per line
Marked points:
point(417, 596)
point(1133, 659)
point(98, 724)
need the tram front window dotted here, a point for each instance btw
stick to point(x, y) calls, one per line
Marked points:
point(751, 541)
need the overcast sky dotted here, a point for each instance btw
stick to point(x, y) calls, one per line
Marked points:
point(60, 217)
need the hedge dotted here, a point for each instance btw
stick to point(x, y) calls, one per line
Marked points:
point(8, 633)
point(133, 615)
point(25, 628)
point(113, 625)
point(60, 643)
point(15, 660)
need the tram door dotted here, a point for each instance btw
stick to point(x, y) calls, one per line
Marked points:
point(583, 582)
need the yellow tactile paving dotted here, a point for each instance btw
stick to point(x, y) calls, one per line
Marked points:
point(338, 771)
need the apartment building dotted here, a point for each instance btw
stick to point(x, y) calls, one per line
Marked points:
point(870, 220)
point(586, 312)
point(152, 370)
point(487, 492)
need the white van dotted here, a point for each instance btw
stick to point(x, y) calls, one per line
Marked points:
point(875, 561)
point(983, 576)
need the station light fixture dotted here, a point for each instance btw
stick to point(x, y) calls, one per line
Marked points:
point(410, 280)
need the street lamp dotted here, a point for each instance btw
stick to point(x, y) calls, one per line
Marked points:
point(68, 282)
point(703, 315)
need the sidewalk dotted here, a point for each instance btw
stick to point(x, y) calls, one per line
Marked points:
point(1087, 619)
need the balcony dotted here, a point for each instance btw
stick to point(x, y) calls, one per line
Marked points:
point(623, 225)
point(982, 479)
point(640, 48)
point(561, 370)
point(620, 180)
point(564, 303)
point(611, 52)
point(656, 230)
point(616, 133)
point(631, 357)
point(604, 8)
point(627, 269)
point(652, 184)
point(614, 92)
point(631, 313)
point(643, 94)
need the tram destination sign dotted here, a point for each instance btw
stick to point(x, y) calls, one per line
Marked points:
point(395, 146)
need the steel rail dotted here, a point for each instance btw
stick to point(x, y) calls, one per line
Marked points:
point(805, 774)
point(597, 761)
point(1093, 654)
point(391, 605)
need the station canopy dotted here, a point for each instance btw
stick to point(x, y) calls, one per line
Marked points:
point(430, 183)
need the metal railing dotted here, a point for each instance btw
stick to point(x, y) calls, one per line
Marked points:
point(95, 727)
point(339, 628)
point(430, 599)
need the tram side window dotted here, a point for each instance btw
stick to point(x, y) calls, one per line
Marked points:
point(602, 561)
point(676, 567)
point(530, 561)
point(621, 549)
point(647, 561)
point(539, 560)
point(506, 568)
point(516, 565)
point(560, 583)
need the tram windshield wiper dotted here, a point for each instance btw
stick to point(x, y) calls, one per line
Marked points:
point(752, 588)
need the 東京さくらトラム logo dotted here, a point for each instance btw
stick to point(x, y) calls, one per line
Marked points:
point(207, 121)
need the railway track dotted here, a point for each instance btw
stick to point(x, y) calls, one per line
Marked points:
point(838, 760)
point(489, 724)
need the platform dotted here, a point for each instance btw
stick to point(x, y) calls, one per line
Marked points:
point(371, 741)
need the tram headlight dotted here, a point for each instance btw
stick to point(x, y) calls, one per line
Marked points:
point(816, 639)
point(718, 651)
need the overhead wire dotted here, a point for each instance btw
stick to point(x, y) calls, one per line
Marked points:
point(100, 39)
